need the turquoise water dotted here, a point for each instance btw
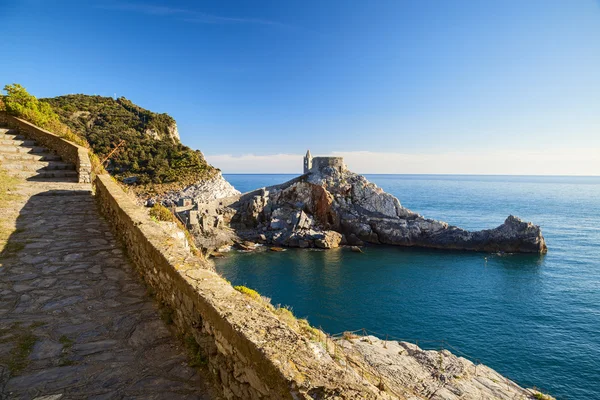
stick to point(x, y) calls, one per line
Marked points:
point(535, 319)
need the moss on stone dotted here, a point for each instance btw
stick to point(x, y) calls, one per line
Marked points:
point(166, 314)
point(23, 340)
point(67, 344)
point(196, 356)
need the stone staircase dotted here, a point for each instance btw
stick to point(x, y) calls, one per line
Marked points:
point(25, 159)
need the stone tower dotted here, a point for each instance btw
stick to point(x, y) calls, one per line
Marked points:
point(307, 162)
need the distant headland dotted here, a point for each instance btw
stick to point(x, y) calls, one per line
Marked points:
point(329, 206)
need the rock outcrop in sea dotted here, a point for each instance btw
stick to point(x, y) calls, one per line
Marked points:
point(332, 206)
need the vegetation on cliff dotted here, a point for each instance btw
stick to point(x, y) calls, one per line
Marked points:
point(150, 151)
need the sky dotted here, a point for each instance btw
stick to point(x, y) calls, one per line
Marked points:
point(394, 86)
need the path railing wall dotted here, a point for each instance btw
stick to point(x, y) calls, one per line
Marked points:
point(252, 354)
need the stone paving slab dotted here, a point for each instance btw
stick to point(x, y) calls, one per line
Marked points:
point(72, 305)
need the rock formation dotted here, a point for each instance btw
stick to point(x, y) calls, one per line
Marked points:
point(173, 133)
point(332, 206)
point(410, 372)
point(201, 192)
point(364, 212)
point(310, 210)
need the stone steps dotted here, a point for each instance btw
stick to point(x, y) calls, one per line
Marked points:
point(23, 158)
point(8, 131)
point(11, 136)
point(12, 157)
point(38, 166)
point(69, 176)
point(7, 148)
point(17, 142)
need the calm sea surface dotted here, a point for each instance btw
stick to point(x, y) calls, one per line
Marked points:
point(535, 319)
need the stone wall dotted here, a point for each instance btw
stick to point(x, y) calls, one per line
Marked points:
point(318, 163)
point(252, 353)
point(70, 152)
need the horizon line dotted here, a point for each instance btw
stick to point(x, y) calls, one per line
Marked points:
point(437, 174)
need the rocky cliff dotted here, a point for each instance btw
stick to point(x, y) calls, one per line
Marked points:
point(171, 133)
point(410, 372)
point(201, 192)
point(328, 208)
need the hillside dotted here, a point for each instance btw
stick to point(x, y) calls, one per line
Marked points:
point(151, 155)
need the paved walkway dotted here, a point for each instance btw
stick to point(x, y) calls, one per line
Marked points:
point(75, 321)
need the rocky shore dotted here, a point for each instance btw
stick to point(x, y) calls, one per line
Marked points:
point(412, 373)
point(330, 207)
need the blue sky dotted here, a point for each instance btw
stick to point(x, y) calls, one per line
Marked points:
point(493, 86)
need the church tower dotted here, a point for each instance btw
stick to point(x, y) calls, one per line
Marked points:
point(307, 162)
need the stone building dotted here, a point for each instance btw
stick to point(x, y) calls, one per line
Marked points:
point(315, 164)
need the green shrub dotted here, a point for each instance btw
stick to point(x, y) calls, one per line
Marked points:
point(161, 213)
point(540, 396)
point(248, 292)
point(97, 166)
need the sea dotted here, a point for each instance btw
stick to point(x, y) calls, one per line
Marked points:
point(533, 318)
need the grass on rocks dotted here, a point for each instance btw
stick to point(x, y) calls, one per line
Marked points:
point(248, 292)
point(23, 347)
point(67, 344)
point(23, 341)
point(284, 314)
point(159, 213)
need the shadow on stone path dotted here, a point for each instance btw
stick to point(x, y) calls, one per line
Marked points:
point(74, 318)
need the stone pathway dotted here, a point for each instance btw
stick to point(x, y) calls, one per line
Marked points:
point(75, 321)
